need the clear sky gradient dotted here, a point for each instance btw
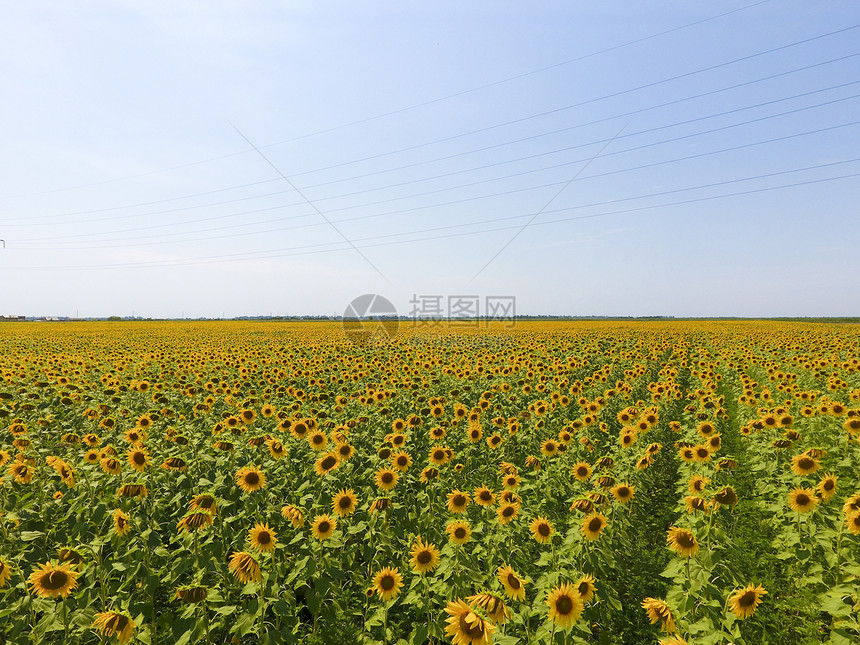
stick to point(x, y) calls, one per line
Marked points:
point(586, 158)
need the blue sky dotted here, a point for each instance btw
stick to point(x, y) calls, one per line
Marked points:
point(582, 157)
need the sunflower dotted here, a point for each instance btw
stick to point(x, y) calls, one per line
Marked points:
point(582, 471)
point(250, 479)
point(204, 502)
point(465, 627)
point(687, 454)
point(22, 473)
point(245, 567)
point(296, 517)
point(511, 481)
point(50, 580)
point(92, 456)
point(194, 520)
point(387, 583)
point(549, 448)
point(659, 612)
point(803, 464)
point(137, 489)
point(323, 527)
point(493, 605)
point(726, 497)
point(507, 512)
point(695, 503)
point(5, 573)
point(565, 605)
point(593, 525)
point(458, 501)
point(327, 463)
point(623, 492)
point(510, 497)
point(425, 557)
point(276, 448)
point(852, 522)
point(386, 479)
point(191, 594)
point(262, 538)
point(429, 474)
point(459, 532)
point(582, 505)
point(380, 504)
point(743, 602)
point(318, 440)
point(802, 500)
point(682, 542)
point(586, 588)
point(120, 522)
point(439, 456)
point(68, 554)
point(109, 623)
point(345, 451)
point(344, 502)
point(484, 496)
point(494, 441)
point(541, 529)
point(514, 584)
point(673, 640)
point(701, 453)
point(697, 483)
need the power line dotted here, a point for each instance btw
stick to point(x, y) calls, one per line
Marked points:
point(310, 203)
point(29, 220)
point(414, 106)
point(494, 219)
point(278, 252)
point(508, 176)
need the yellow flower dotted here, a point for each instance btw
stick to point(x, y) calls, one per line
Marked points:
point(593, 525)
point(425, 557)
point(386, 479)
point(541, 529)
point(293, 514)
point(565, 605)
point(586, 588)
point(458, 501)
point(514, 584)
point(623, 492)
point(262, 538)
point(109, 623)
point(250, 479)
point(323, 527)
point(387, 583)
point(484, 496)
point(582, 471)
point(50, 580)
point(327, 463)
point(659, 612)
point(245, 567)
point(194, 520)
point(344, 502)
point(743, 602)
point(459, 532)
point(465, 627)
point(120, 522)
point(802, 500)
point(507, 512)
point(682, 542)
point(493, 605)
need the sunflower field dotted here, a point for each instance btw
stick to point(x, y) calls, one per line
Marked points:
point(554, 482)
